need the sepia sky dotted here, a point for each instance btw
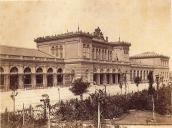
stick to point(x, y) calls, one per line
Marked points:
point(144, 23)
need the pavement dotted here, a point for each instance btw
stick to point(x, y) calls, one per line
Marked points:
point(32, 97)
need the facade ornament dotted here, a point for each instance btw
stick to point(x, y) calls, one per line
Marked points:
point(98, 33)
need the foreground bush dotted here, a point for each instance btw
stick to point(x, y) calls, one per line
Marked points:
point(115, 106)
point(110, 107)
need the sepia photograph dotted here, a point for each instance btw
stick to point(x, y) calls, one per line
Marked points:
point(85, 64)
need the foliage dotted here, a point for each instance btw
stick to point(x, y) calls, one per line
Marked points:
point(79, 110)
point(137, 80)
point(162, 103)
point(151, 90)
point(114, 106)
point(79, 87)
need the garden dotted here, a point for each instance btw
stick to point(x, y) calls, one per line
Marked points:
point(97, 104)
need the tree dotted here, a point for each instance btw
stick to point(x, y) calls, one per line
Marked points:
point(79, 87)
point(151, 91)
point(137, 81)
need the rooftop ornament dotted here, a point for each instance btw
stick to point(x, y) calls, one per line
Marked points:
point(98, 33)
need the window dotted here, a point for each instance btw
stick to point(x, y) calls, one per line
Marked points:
point(1, 76)
point(39, 77)
point(61, 51)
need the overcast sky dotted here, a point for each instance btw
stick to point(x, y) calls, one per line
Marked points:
point(144, 23)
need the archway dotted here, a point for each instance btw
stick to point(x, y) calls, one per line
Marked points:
point(50, 77)
point(14, 78)
point(27, 77)
point(39, 77)
point(59, 76)
point(1, 78)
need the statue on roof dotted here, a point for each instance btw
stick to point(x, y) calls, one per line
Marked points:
point(98, 33)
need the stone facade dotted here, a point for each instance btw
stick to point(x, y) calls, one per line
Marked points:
point(62, 58)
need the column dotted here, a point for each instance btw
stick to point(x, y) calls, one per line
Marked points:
point(116, 78)
point(104, 78)
point(33, 80)
point(110, 79)
point(7, 81)
point(98, 79)
point(54, 79)
point(44, 80)
point(20, 81)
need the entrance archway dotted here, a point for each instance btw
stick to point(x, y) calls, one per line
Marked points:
point(39, 77)
point(59, 76)
point(50, 77)
point(14, 78)
point(1, 78)
point(27, 77)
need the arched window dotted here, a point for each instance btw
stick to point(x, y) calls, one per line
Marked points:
point(56, 51)
point(137, 73)
point(59, 76)
point(144, 75)
point(61, 51)
point(52, 50)
point(50, 77)
point(14, 78)
point(134, 75)
point(141, 75)
point(84, 50)
point(39, 77)
point(27, 77)
point(131, 75)
point(1, 78)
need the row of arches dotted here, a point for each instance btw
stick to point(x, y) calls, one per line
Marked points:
point(27, 77)
point(141, 73)
point(109, 70)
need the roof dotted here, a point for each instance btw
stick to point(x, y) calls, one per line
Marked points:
point(120, 43)
point(148, 55)
point(62, 36)
point(96, 34)
point(10, 50)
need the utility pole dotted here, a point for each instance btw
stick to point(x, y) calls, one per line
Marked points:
point(98, 125)
point(153, 108)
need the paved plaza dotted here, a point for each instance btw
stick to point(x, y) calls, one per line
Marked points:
point(32, 97)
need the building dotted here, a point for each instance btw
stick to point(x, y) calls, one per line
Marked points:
point(170, 76)
point(59, 59)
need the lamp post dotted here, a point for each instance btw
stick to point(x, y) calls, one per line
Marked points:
point(120, 81)
point(46, 101)
point(59, 94)
point(13, 96)
point(157, 83)
point(14, 92)
point(125, 82)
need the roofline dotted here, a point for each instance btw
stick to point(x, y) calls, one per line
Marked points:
point(18, 47)
point(143, 57)
point(62, 36)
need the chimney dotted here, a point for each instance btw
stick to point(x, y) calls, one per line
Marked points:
point(106, 38)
